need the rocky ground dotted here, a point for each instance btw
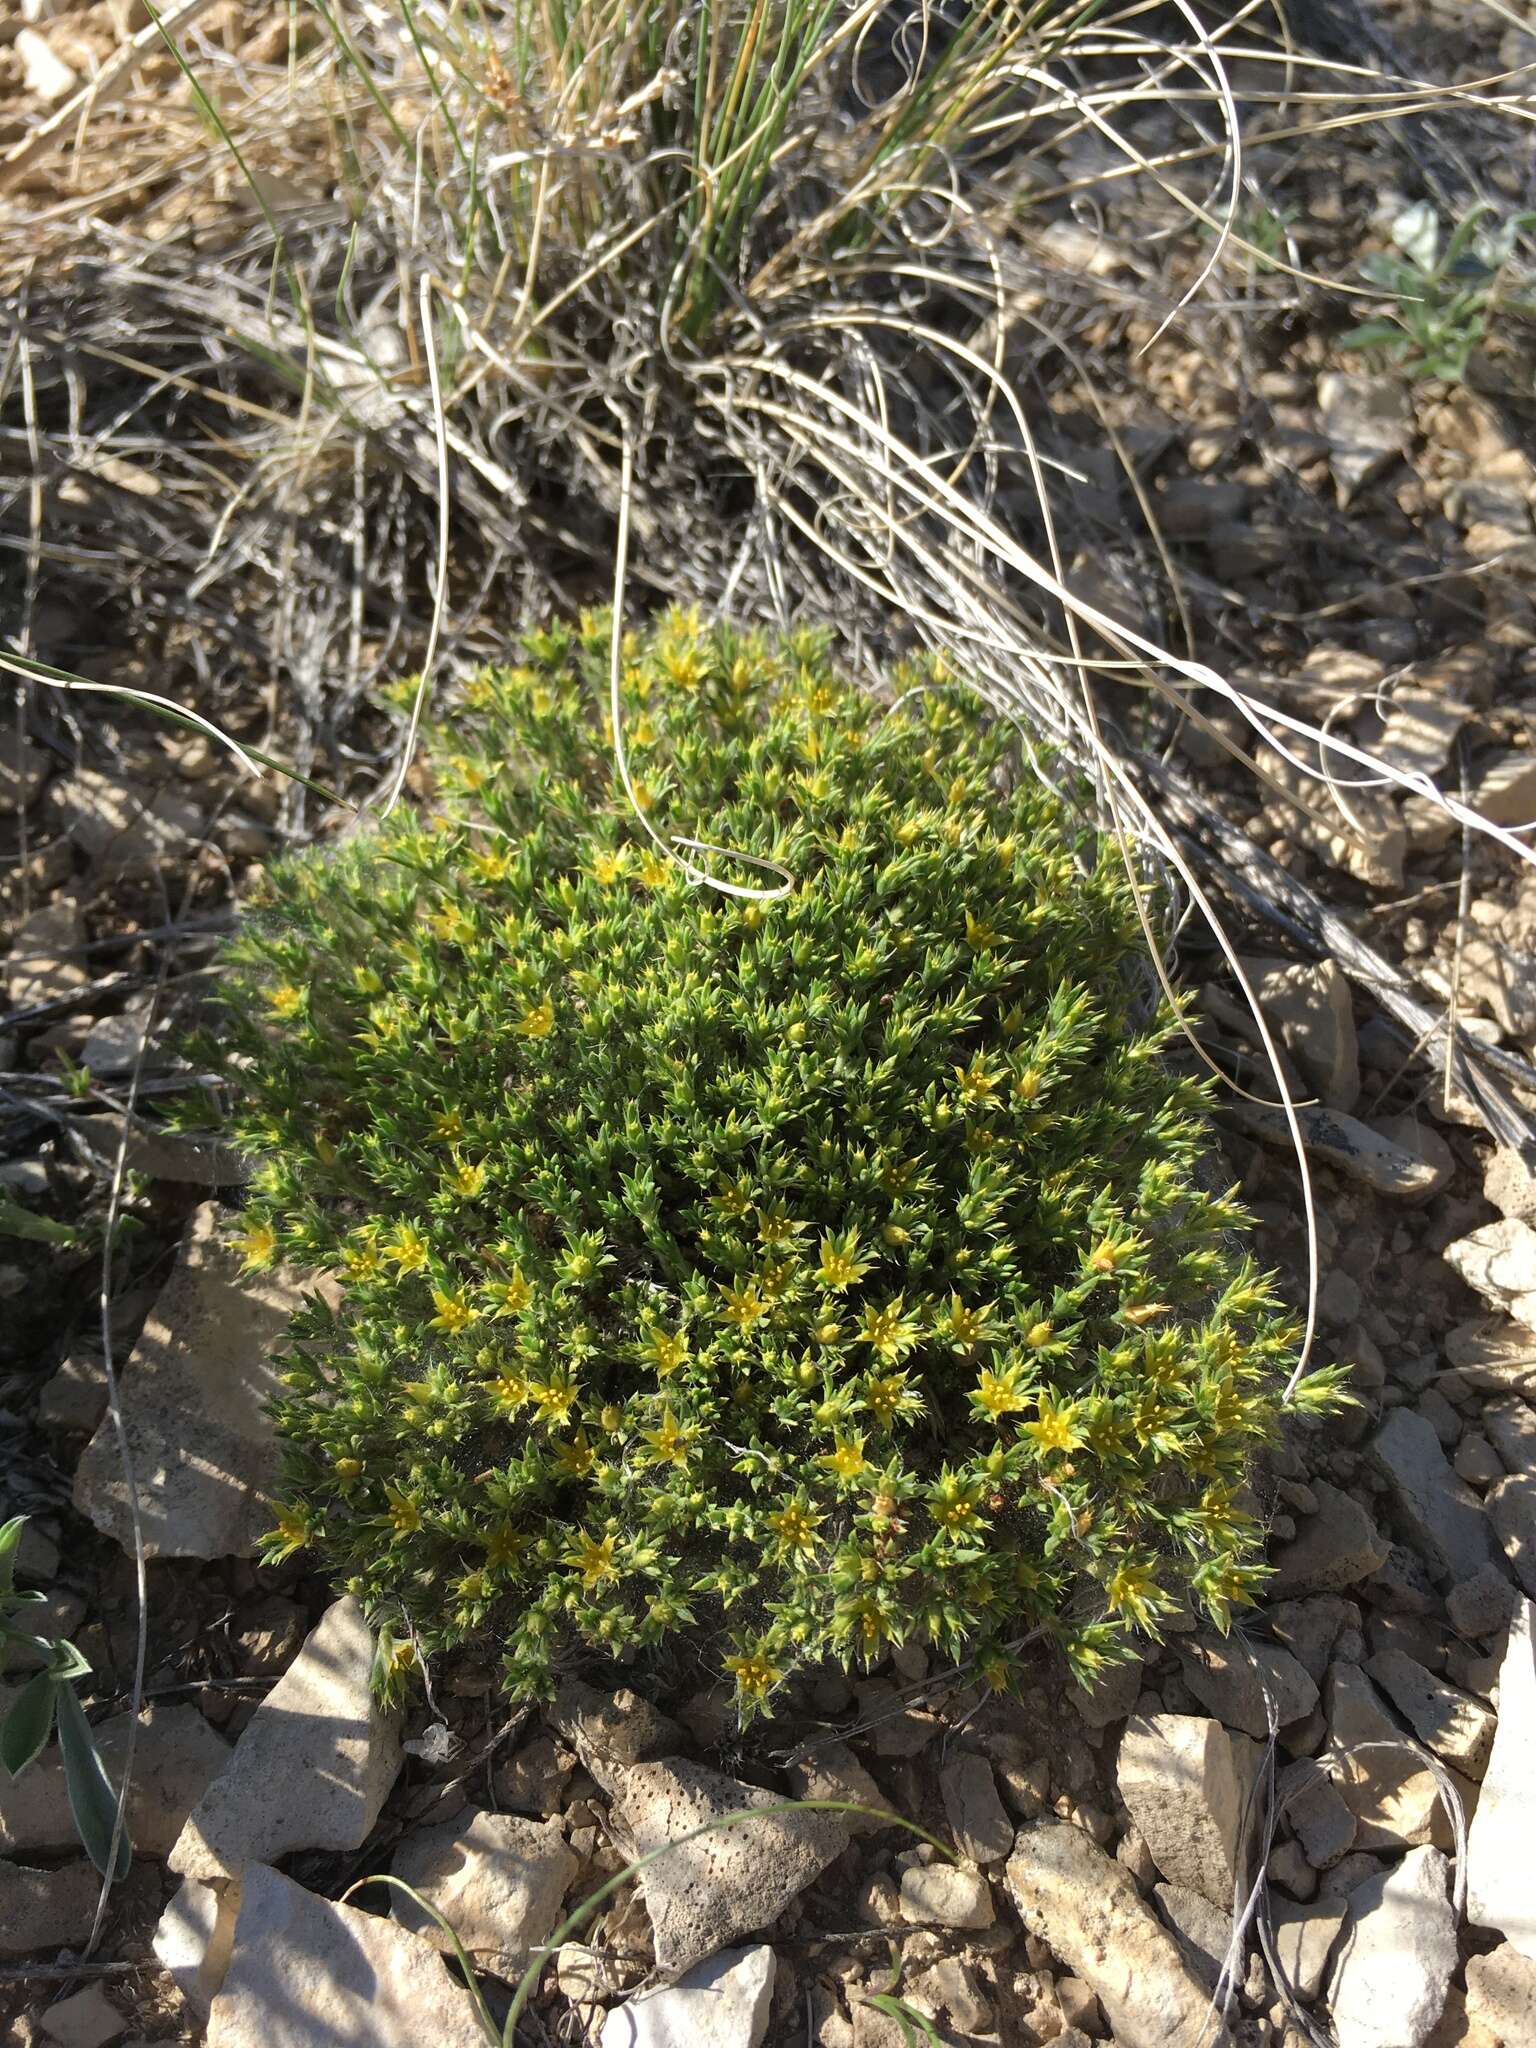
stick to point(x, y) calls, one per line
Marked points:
point(1353, 543)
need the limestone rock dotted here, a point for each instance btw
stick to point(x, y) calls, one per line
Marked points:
point(23, 769)
point(176, 1756)
point(1237, 1680)
point(121, 830)
point(1508, 1183)
point(726, 2001)
point(1437, 1513)
point(1304, 1938)
point(1337, 1546)
point(194, 1395)
point(1088, 1911)
point(1312, 1805)
point(726, 1883)
point(86, 2019)
point(44, 961)
point(1501, 1996)
point(1511, 1505)
point(946, 1894)
point(497, 1880)
point(305, 1973)
point(44, 72)
point(193, 1941)
point(1202, 1930)
point(1383, 1778)
point(1445, 1719)
point(618, 1728)
point(1504, 788)
point(75, 1397)
point(1367, 422)
point(43, 1910)
point(1396, 1956)
point(981, 1829)
point(313, 1766)
point(1308, 1007)
point(832, 1771)
point(1112, 1697)
point(1499, 1263)
point(1483, 1604)
point(1309, 1629)
point(1499, 1876)
point(1494, 1353)
point(1183, 1787)
point(1348, 1146)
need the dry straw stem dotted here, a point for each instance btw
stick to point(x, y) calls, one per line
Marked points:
point(758, 281)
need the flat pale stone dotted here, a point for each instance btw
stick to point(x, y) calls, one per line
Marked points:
point(23, 768)
point(1378, 1768)
point(1495, 1354)
point(1437, 1514)
point(946, 1894)
point(1182, 1786)
point(1238, 1681)
point(1304, 1939)
point(1396, 1956)
point(1337, 1546)
point(44, 961)
point(1447, 1720)
point(727, 1882)
point(194, 1395)
point(981, 1829)
point(832, 1771)
point(86, 2019)
point(1501, 1995)
point(119, 828)
point(312, 1768)
point(305, 1973)
point(43, 1910)
point(1501, 1877)
point(176, 1756)
point(1499, 1263)
point(1087, 1909)
point(194, 1940)
point(726, 2002)
point(498, 1881)
point(1349, 1146)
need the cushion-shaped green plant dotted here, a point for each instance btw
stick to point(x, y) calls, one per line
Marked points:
point(803, 1272)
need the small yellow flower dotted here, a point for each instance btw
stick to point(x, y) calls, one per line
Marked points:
point(257, 1244)
point(607, 867)
point(755, 1676)
point(286, 1000)
point(890, 1331)
point(348, 1469)
point(556, 1397)
point(502, 1546)
point(654, 871)
point(360, 1262)
point(491, 867)
point(846, 1459)
point(404, 1515)
point(451, 924)
point(841, 1265)
point(453, 1312)
point(537, 1021)
point(977, 1083)
point(449, 1127)
point(1055, 1429)
point(667, 1350)
point(979, 934)
point(408, 1249)
point(795, 1526)
point(1110, 1254)
point(743, 1305)
point(510, 1390)
point(998, 1393)
point(465, 1179)
point(593, 1559)
point(671, 1441)
point(575, 1457)
point(294, 1530)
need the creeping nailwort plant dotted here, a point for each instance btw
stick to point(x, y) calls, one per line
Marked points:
point(799, 1275)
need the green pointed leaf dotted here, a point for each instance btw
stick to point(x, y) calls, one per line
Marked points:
point(92, 1800)
point(10, 1543)
point(26, 1728)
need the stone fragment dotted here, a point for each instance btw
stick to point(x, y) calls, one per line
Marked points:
point(832, 1771)
point(194, 1939)
point(1309, 1629)
point(86, 2019)
point(44, 961)
point(120, 830)
point(1437, 1513)
point(44, 72)
point(1508, 1182)
point(726, 2001)
point(1413, 1135)
point(75, 1397)
point(532, 1779)
point(1511, 1505)
point(497, 1880)
point(946, 1894)
point(1336, 1547)
point(43, 1910)
point(1421, 728)
point(725, 1883)
point(1499, 1263)
point(1483, 1604)
point(194, 1401)
point(1304, 1938)
point(1448, 1721)
point(176, 1756)
point(982, 1830)
point(23, 769)
point(1238, 1681)
point(1511, 1426)
point(1111, 1697)
point(954, 1988)
point(1290, 1870)
point(1500, 1893)
point(1367, 422)
point(1186, 1791)
point(1396, 1956)
point(1504, 788)
point(1348, 1146)
point(1202, 1930)
point(1501, 1996)
point(1384, 1779)
point(1477, 1461)
point(305, 1973)
point(1494, 1354)
point(1309, 1008)
point(1088, 1911)
point(312, 1768)
point(1309, 1801)
point(617, 1728)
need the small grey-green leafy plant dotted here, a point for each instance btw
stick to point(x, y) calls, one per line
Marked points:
point(1444, 290)
point(47, 1702)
